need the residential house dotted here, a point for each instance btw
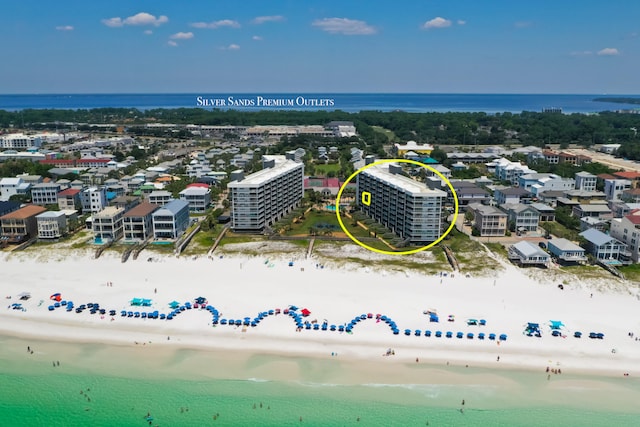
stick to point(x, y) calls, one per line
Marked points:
point(108, 224)
point(586, 181)
point(537, 183)
point(584, 196)
point(566, 251)
point(21, 224)
point(632, 176)
point(45, 193)
point(198, 198)
point(138, 222)
point(171, 220)
point(631, 196)
point(604, 248)
point(468, 193)
point(488, 220)
point(159, 197)
point(547, 213)
point(12, 187)
point(613, 188)
point(599, 224)
point(592, 210)
point(125, 202)
point(93, 199)
point(51, 225)
point(503, 195)
point(521, 218)
point(627, 230)
point(8, 207)
point(69, 199)
point(526, 253)
point(401, 149)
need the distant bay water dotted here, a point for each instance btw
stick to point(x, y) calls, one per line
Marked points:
point(354, 102)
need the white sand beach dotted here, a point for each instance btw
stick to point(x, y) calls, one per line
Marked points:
point(241, 286)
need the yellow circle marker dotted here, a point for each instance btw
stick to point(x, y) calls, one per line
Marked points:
point(412, 251)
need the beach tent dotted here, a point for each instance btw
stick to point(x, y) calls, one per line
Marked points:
point(174, 304)
point(24, 296)
point(56, 297)
point(555, 324)
point(200, 300)
point(433, 317)
point(472, 322)
point(146, 302)
point(136, 301)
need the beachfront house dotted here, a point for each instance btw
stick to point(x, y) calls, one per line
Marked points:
point(488, 220)
point(405, 206)
point(138, 222)
point(604, 248)
point(547, 213)
point(21, 225)
point(107, 224)
point(526, 253)
point(171, 220)
point(197, 196)
point(627, 230)
point(51, 225)
point(260, 199)
point(566, 251)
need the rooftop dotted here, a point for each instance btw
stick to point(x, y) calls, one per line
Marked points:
point(401, 182)
point(597, 237)
point(281, 167)
point(565, 245)
point(143, 209)
point(24, 212)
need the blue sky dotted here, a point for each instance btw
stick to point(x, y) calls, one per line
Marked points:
point(320, 46)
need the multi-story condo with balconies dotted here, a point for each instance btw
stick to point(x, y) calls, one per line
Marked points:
point(93, 199)
point(107, 224)
point(138, 222)
point(260, 199)
point(407, 207)
point(171, 220)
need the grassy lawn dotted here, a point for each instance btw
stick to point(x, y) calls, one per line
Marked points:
point(387, 132)
point(323, 169)
point(560, 230)
point(631, 272)
point(498, 249)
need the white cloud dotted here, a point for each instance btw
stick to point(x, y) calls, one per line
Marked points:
point(349, 27)
point(217, 24)
point(609, 51)
point(272, 18)
point(233, 47)
point(581, 53)
point(142, 18)
point(148, 32)
point(64, 28)
point(461, 22)
point(437, 22)
point(182, 36)
point(172, 43)
point(257, 38)
point(113, 22)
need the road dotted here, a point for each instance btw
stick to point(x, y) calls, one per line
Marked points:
point(607, 159)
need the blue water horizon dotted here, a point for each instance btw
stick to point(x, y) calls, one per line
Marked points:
point(309, 101)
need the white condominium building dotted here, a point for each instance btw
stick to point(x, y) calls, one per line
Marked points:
point(260, 199)
point(405, 206)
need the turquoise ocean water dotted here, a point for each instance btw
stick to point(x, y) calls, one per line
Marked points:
point(34, 393)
